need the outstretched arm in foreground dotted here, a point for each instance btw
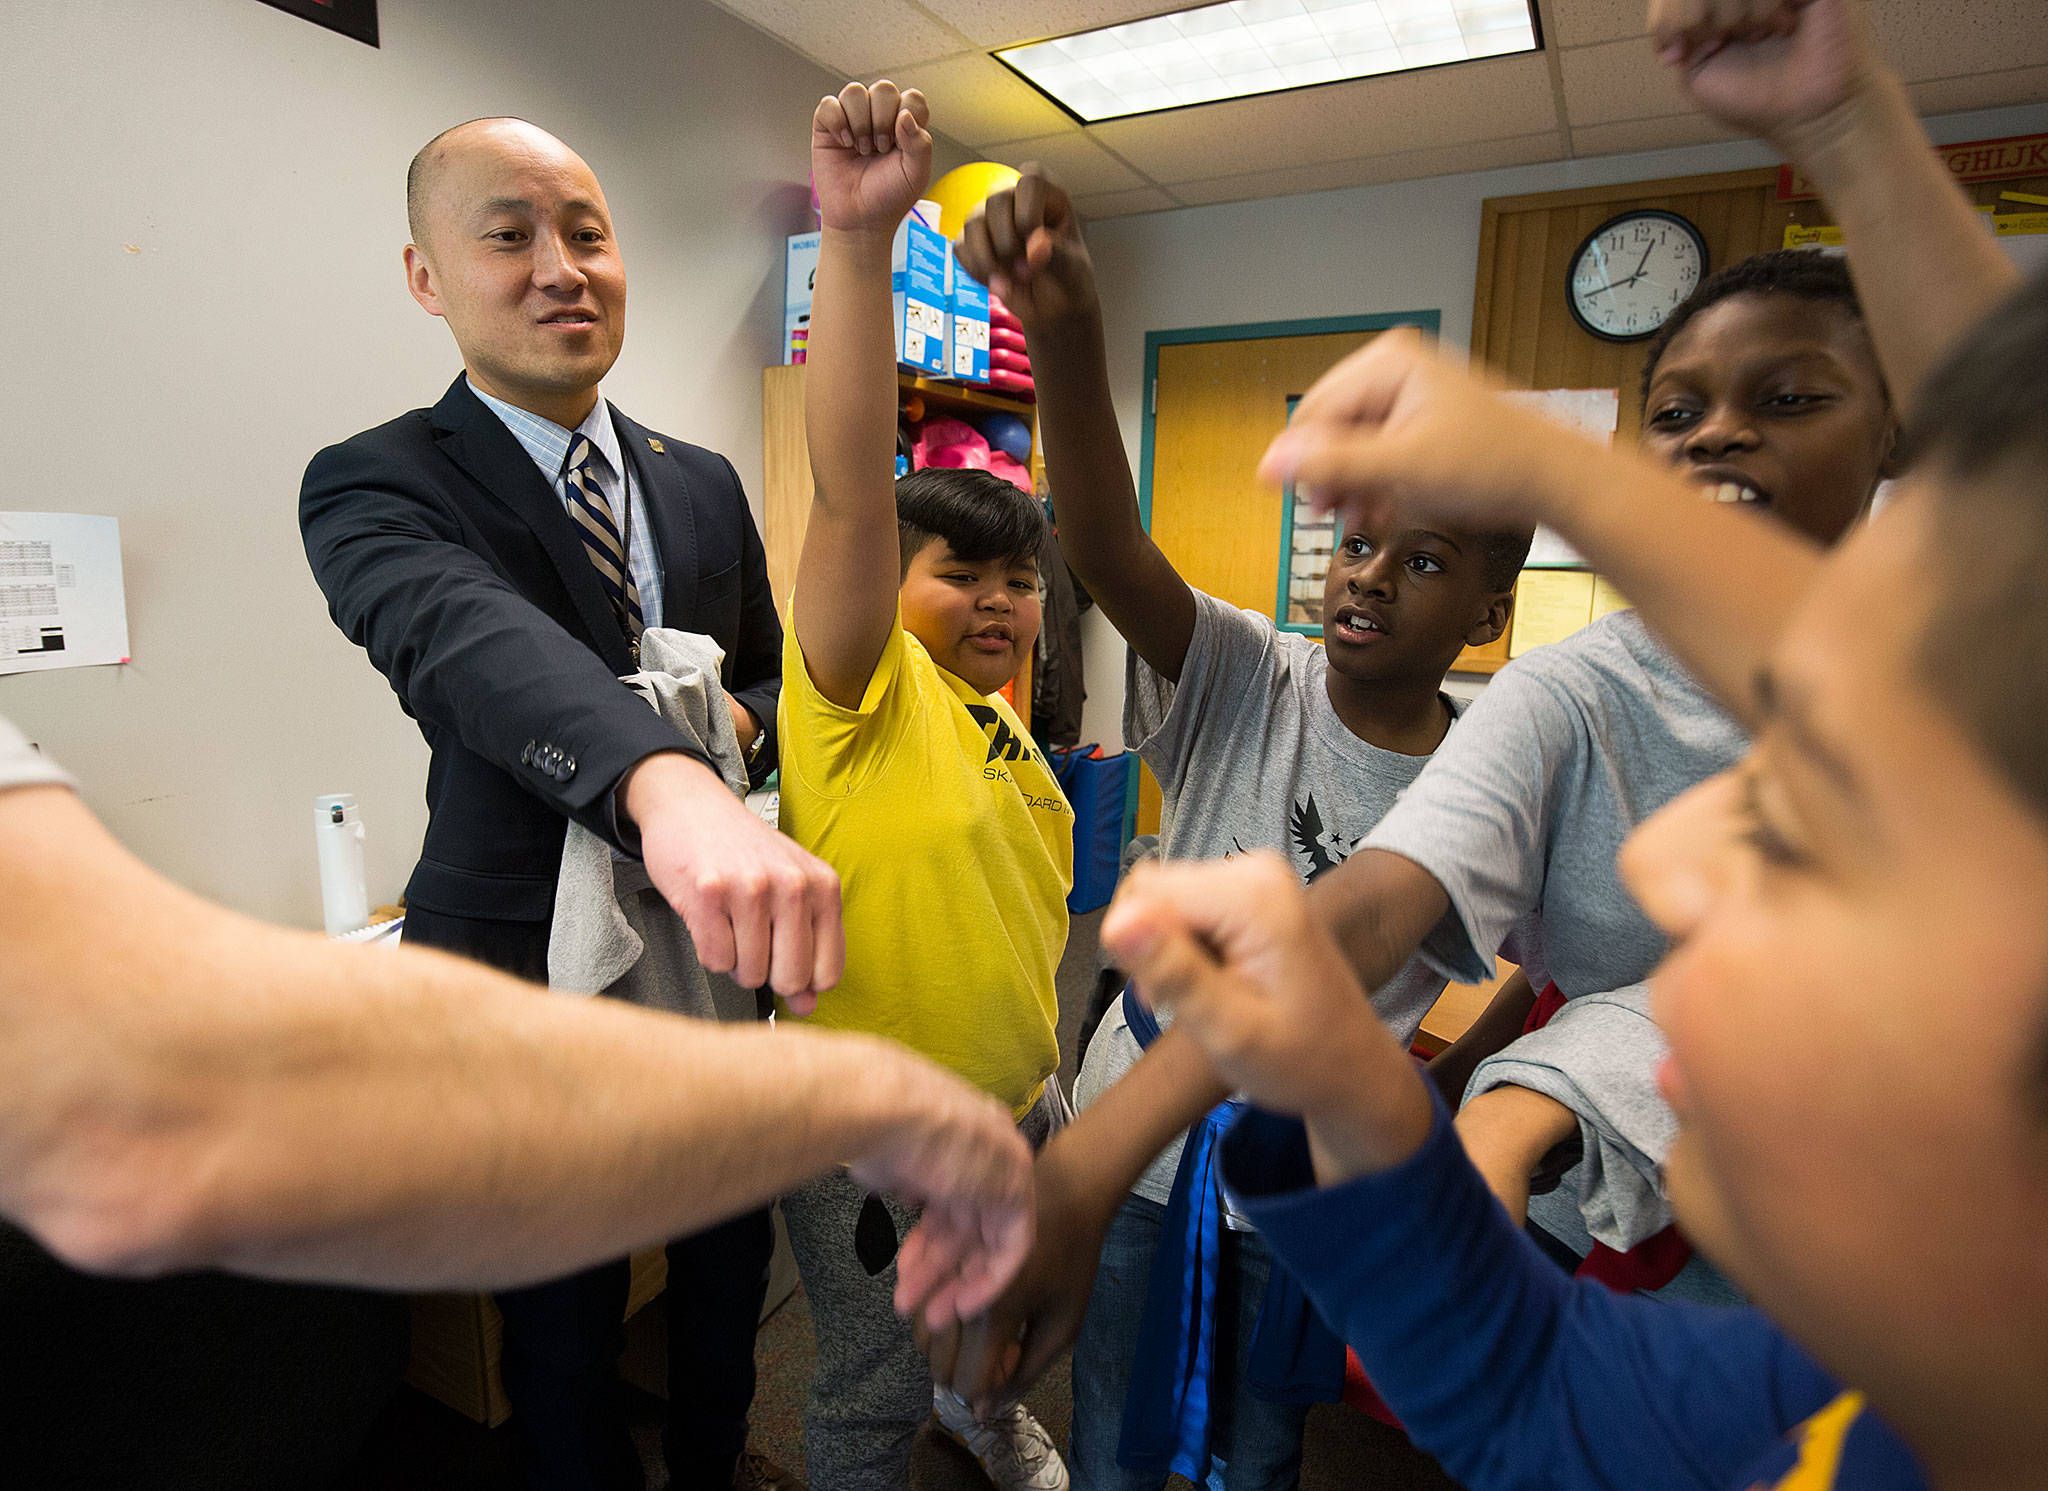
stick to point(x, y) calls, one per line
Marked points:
point(1396, 427)
point(181, 1086)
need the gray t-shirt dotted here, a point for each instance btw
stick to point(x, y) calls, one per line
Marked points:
point(1249, 755)
point(1522, 811)
point(22, 765)
point(1524, 806)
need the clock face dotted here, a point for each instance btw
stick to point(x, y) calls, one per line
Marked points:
point(1632, 271)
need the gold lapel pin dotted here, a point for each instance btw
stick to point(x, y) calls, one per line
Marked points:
point(656, 446)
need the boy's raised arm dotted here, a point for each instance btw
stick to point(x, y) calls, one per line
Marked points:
point(1804, 75)
point(870, 157)
point(1026, 244)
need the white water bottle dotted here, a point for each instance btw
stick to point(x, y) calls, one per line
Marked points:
point(344, 887)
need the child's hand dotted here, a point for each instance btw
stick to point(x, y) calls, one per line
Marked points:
point(1396, 427)
point(871, 156)
point(1766, 67)
point(1025, 244)
point(1234, 951)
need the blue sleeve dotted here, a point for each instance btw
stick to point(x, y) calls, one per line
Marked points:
point(1506, 1369)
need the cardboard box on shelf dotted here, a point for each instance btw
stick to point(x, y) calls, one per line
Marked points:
point(799, 278)
point(918, 286)
point(969, 301)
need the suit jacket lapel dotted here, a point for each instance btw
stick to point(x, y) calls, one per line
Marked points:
point(671, 518)
point(476, 440)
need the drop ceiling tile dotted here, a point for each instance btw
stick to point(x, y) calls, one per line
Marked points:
point(1123, 204)
point(1403, 165)
point(1074, 161)
point(890, 33)
point(1990, 90)
point(1579, 23)
point(980, 102)
point(1630, 135)
point(1000, 23)
point(1445, 106)
point(1618, 80)
point(1927, 39)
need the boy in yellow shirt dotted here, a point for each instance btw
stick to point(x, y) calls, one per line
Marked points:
point(906, 772)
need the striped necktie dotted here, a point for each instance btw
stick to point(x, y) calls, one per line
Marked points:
point(599, 529)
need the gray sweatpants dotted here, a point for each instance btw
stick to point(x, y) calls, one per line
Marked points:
point(873, 1389)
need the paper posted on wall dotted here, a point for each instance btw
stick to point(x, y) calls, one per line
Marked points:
point(61, 602)
point(1593, 412)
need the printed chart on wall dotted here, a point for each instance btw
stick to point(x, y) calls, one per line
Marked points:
point(61, 603)
point(1593, 412)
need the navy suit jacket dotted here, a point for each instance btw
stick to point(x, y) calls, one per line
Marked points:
point(446, 555)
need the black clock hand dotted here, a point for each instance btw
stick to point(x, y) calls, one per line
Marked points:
point(1652, 244)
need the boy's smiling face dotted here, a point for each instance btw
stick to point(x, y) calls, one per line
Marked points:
point(1857, 1004)
point(1777, 399)
point(978, 619)
point(1402, 605)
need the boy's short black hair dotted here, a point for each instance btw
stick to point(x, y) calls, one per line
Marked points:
point(1803, 273)
point(1502, 555)
point(979, 515)
point(1981, 429)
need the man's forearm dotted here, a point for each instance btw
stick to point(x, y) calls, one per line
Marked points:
point(182, 1086)
point(1925, 268)
point(430, 1124)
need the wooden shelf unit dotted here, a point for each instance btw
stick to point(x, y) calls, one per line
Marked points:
point(961, 396)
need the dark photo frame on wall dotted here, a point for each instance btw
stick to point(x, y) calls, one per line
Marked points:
point(357, 18)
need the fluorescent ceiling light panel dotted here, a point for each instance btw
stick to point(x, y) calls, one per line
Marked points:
point(1246, 47)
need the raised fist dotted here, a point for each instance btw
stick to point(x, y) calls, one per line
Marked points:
point(1025, 244)
point(871, 156)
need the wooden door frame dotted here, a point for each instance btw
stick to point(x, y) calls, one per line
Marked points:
point(1242, 331)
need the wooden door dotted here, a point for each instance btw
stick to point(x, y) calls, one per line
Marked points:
point(1216, 406)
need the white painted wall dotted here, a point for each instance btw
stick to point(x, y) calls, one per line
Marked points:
point(1411, 245)
point(206, 203)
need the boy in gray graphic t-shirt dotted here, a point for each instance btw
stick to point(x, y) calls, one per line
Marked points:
point(1261, 740)
point(1250, 754)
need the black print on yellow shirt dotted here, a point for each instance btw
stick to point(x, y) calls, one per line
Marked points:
point(1003, 743)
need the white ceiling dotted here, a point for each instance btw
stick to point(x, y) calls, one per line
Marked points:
point(1595, 89)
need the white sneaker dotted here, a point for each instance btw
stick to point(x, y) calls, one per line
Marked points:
point(1012, 1446)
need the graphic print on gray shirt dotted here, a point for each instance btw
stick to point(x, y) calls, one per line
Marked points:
point(1250, 754)
point(22, 765)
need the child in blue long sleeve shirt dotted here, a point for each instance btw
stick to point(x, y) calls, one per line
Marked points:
point(1865, 889)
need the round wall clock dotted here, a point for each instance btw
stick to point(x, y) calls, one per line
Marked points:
point(1632, 271)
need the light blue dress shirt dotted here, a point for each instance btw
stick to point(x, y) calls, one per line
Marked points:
point(548, 443)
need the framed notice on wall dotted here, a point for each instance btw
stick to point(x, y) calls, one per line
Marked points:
point(1307, 540)
point(357, 18)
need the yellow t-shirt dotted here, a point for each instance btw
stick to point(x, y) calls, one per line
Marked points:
point(955, 852)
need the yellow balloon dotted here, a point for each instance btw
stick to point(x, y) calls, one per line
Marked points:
point(965, 188)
